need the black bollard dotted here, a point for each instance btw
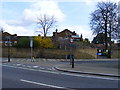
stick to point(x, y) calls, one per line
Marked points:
point(72, 61)
point(70, 56)
point(8, 58)
point(9, 50)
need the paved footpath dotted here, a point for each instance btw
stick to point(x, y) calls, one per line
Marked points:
point(103, 67)
point(90, 69)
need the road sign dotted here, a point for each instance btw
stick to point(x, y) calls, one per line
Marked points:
point(71, 40)
point(31, 43)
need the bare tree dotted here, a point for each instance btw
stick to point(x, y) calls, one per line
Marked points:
point(118, 34)
point(46, 22)
point(105, 20)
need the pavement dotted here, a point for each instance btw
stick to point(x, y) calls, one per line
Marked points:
point(89, 69)
point(102, 67)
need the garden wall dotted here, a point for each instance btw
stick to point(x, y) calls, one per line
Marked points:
point(50, 53)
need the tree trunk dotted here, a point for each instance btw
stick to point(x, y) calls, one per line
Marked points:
point(109, 52)
point(44, 32)
point(106, 41)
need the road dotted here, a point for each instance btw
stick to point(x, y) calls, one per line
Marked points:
point(19, 77)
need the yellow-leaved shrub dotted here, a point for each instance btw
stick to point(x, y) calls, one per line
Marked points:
point(43, 42)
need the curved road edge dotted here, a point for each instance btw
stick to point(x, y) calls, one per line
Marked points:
point(81, 72)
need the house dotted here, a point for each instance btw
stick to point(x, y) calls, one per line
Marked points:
point(64, 38)
point(8, 37)
point(66, 34)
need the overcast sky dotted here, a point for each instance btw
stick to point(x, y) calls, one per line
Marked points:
point(19, 16)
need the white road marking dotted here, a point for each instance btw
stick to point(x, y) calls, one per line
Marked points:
point(5, 63)
point(69, 74)
point(23, 65)
point(13, 64)
point(53, 68)
point(18, 64)
point(49, 68)
point(41, 68)
point(35, 66)
point(29, 66)
point(43, 84)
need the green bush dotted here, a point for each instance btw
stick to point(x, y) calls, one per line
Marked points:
point(23, 42)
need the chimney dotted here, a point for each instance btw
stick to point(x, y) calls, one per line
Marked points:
point(56, 30)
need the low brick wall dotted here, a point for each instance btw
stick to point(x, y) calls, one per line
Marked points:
point(50, 53)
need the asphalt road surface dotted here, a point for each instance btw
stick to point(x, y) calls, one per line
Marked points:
point(14, 77)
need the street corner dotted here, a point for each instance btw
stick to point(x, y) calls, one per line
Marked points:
point(81, 70)
point(66, 68)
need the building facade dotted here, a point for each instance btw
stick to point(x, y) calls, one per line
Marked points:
point(65, 38)
point(8, 38)
point(66, 34)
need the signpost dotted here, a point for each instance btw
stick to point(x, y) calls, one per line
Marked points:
point(71, 55)
point(31, 46)
point(71, 42)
